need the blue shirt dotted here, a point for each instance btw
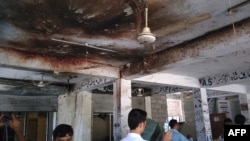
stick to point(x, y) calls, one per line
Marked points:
point(177, 136)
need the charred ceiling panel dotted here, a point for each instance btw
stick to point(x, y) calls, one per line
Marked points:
point(29, 26)
point(66, 35)
point(57, 16)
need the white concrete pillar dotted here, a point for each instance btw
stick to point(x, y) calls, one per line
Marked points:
point(245, 106)
point(202, 120)
point(66, 109)
point(76, 110)
point(83, 117)
point(122, 106)
point(148, 106)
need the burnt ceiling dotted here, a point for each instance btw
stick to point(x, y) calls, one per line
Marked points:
point(35, 26)
point(72, 34)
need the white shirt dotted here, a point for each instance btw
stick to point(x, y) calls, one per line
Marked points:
point(133, 137)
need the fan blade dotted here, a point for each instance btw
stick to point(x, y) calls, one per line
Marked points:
point(41, 84)
point(177, 27)
point(82, 44)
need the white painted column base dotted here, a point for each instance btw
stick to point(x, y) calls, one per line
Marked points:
point(76, 110)
point(202, 120)
point(122, 106)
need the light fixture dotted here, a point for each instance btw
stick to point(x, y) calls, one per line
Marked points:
point(146, 36)
point(139, 92)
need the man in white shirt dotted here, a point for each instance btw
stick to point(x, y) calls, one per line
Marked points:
point(137, 124)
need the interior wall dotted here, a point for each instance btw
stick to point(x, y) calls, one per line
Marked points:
point(159, 109)
point(138, 102)
point(102, 103)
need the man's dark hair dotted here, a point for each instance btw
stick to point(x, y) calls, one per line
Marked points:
point(135, 117)
point(62, 130)
point(239, 119)
point(228, 121)
point(172, 123)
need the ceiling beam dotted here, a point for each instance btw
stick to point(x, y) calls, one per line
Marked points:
point(231, 88)
point(199, 25)
point(28, 103)
point(169, 89)
point(216, 44)
point(18, 59)
point(225, 78)
point(92, 83)
point(103, 71)
point(169, 79)
point(216, 94)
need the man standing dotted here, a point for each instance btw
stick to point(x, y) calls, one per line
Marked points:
point(137, 124)
point(176, 135)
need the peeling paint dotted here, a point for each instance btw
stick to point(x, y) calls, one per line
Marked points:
point(128, 11)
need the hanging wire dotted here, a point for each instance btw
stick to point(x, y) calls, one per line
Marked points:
point(146, 14)
point(232, 16)
point(86, 54)
point(231, 13)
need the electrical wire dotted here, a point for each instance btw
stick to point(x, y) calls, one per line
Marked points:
point(232, 16)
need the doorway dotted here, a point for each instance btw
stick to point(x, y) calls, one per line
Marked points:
point(102, 127)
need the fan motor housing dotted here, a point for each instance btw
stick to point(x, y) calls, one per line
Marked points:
point(146, 36)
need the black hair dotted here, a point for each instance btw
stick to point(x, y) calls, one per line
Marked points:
point(172, 123)
point(62, 130)
point(239, 119)
point(135, 117)
point(227, 121)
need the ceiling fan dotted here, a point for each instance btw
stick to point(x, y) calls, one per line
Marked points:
point(146, 37)
point(41, 83)
point(140, 92)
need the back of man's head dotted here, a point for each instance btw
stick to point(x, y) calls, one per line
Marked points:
point(228, 121)
point(172, 123)
point(135, 117)
point(62, 130)
point(239, 119)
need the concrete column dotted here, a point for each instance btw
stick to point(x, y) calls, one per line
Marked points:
point(122, 106)
point(66, 109)
point(245, 106)
point(202, 120)
point(76, 110)
point(83, 117)
point(148, 106)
